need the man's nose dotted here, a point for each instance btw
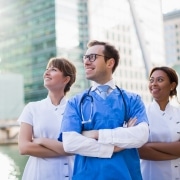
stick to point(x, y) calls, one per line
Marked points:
point(86, 61)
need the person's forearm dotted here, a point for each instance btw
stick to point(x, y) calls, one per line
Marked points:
point(148, 153)
point(95, 133)
point(117, 149)
point(172, 148)
point(76, 143)
point(132, 137)
point(33, 149)
point(52, 144)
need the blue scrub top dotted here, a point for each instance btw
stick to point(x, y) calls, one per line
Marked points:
point(107, 114)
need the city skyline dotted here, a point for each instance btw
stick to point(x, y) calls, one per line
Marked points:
point(64, 28)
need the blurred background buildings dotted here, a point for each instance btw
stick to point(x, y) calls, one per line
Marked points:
point(31, 32)
point(172, 36)
point(11, 96)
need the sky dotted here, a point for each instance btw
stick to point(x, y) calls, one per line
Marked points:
point(170, 5)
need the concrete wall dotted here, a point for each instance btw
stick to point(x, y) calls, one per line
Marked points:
point(11, 96)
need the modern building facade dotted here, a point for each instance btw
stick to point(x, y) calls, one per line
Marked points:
point(172, 40)
point(172, 36)
point(33, 31)
point(27, 36)
point(137, 33)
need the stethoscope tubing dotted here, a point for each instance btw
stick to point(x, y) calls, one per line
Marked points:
point(91, 108)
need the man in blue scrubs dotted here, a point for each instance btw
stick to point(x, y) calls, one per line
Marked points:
point(93, 127)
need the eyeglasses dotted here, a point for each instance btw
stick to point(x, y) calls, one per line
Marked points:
point(92, 57)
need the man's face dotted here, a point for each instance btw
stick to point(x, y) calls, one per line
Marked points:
point(96, 68)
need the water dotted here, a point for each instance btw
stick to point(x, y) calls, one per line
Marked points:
point(11, 163)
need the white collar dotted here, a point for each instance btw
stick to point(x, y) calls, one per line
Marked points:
point(156, 105)
point(62, 102)
point(109, 83)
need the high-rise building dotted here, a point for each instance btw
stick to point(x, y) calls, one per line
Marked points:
point(172, 40)
point(172, 36)
point(28, 40)
point(33, 31)
point(136, 29)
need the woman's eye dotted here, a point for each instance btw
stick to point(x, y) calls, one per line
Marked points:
point(53, 69)
point(160, 80)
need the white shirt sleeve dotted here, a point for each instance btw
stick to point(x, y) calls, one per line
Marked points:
point(131, 137)
point(76, 143)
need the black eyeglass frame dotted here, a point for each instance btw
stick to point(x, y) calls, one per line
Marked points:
point(92, 57)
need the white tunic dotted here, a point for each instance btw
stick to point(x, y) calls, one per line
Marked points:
point(46, 121)
point(164, 127)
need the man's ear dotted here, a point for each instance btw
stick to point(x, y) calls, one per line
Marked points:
point(110, 62)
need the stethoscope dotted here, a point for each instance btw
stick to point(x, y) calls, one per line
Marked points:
point(87, 95)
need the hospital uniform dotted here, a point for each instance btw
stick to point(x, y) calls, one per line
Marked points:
point(164, 127)
point(106, 114)
point(46, 121)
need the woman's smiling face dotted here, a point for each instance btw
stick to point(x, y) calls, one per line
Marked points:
point(160, 85)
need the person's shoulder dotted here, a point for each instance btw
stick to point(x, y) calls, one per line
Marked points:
point(129, 94)
point(35, 103)
point(175, 107)
point(150, 105)
point(78, 96)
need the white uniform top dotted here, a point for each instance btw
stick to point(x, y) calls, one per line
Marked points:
point(46, 121)
point(164, 127)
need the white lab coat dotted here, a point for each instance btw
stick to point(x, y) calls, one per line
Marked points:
point(46, 121)
point(164, 127)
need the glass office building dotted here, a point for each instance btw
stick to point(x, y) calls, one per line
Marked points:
point(28, 38)
point(33, 31)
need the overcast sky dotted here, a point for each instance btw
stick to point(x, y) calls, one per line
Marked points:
point(170, 5)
